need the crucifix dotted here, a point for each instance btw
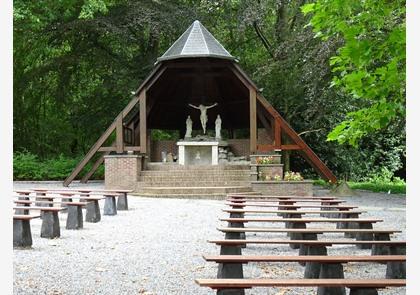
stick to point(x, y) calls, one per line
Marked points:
point(203, 116)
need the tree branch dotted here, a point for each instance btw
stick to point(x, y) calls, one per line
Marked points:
point(309, 131)
point(264, 40)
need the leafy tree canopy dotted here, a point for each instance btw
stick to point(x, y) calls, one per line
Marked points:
point(370, 65)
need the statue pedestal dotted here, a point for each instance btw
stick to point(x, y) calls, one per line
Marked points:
point(198, 152)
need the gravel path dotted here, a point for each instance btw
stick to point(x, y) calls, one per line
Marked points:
point(156, 248)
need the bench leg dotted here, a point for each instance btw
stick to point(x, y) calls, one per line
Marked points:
point(363, 291)
point(364, 236)
point(110, 207)
point(230, 250)
point(230, 292)
point(23, 211)
point(327, 209)
point(348, 225)
point(230, 271)
point(312, 269)
point(50, 227)
point(284, 215)
point(122, 203)
point(303, 249)
point(242, 235)
point(69, 200)
point(396, 270)
point(380, 249)
point(74, 217)
point(93, 213)
point(22, 236)
point(296, 236)
point(331, 271)
point(290, 215)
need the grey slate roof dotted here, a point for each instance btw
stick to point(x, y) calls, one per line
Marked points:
point(196, 41)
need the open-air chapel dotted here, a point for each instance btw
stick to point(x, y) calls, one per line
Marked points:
point(198, 88)
point(199, 197)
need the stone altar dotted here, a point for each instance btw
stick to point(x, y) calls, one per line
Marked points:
point(198, 152)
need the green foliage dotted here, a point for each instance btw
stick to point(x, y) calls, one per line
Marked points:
point(27, 166)
point(77, 62)
point(370, 65)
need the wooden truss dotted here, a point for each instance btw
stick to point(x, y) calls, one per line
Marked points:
point(260, 109)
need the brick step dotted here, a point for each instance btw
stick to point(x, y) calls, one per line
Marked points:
point(191, 190)
point(196, 172)
point(193, 183)
point(148, 178)
point(184, 196)
point(175, 166)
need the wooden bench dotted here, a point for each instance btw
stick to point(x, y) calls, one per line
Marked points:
point(307, 233)
point(294, 222)
point(50, 227)
point(242, 205)
point(317, 266)
point(268, 197)
point(379, 247)
point(356, 286)
point(110, 206)
point(74, 216)
point(22, 236)
point(239, 213)
point(122, 203)
point(93, 212)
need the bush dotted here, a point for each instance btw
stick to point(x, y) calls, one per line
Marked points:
point(27, 166)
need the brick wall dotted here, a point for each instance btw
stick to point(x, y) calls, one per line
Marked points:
point(121, 171)
point(284, 188)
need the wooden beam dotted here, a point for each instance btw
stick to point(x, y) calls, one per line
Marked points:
point(277, 132)
point(289, 147)
point(272, 147)
point(114, 148)
point(143, 122)
point(90, 154)
point(253, 120)
point(265, 147)
point(119, 135)
point(265, 122)
point(95, 167)
point(154, 79)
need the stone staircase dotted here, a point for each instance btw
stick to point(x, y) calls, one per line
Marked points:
point(194, 181)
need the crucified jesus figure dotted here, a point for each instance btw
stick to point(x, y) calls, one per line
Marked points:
point(203, 116)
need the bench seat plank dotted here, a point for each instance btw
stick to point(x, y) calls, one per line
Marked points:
point(25, 217)
point(305, 242)
point(350, 283)
point(292, 211)
point(307, 258)
point(289, 206)
point(236, 197)
point(54, 209)
point(332, 220)
point(304, 230)
point(290, 200)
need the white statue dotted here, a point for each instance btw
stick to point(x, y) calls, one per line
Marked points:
point(203, 115)
point(189, 123)
point(218, 124)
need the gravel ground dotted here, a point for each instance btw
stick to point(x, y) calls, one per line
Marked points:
point(156, 248)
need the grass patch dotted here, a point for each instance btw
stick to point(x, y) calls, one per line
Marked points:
point(396, 187)
point(393, 188)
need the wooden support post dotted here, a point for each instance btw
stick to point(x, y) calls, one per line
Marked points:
point(119, 137)
point(253, 120)
point(277, 133)
point(143, 122)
